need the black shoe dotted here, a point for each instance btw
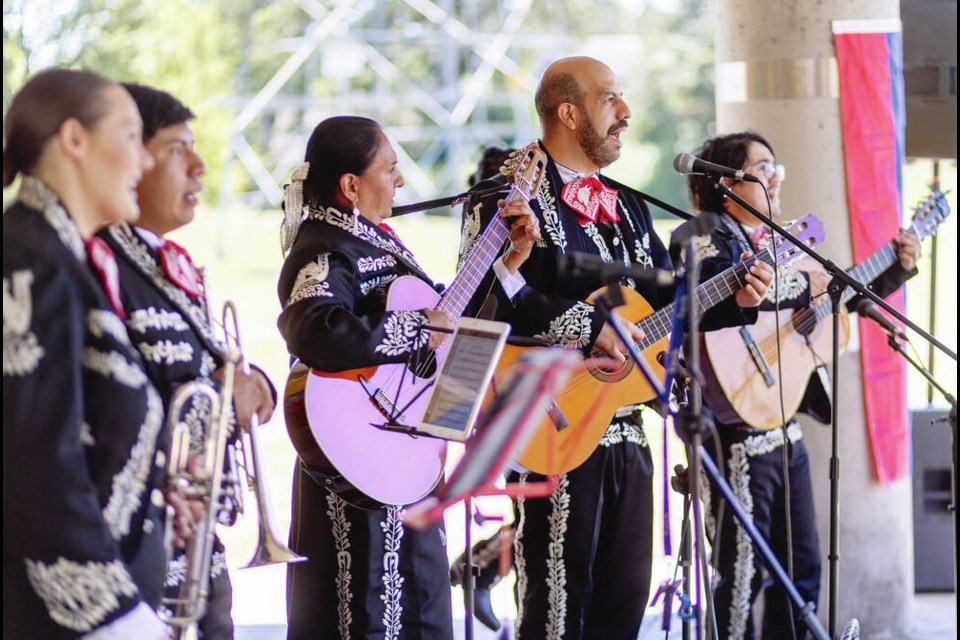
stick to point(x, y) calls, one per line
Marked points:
point(482, 610)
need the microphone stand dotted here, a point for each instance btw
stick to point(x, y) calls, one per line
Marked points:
point(840, 280)
point(952, 419)
point(446, 201)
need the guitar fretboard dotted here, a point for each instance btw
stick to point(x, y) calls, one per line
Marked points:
point(481, 257)
point(709, 294)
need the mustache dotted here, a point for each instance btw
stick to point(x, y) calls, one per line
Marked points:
point(620, 126)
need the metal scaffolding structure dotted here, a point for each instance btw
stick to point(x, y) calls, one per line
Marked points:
point(445, 78)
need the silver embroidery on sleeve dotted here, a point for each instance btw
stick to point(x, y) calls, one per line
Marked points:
point(392, 528)
point(115, 366)
point(789, 284)
point(128, 486)
point(166, 352)
point(142, 320)
point(80, 596)
point(311, 281)
point(572, 329)
point(704, 246)
point(21, 348)
point(378, 285)
point(101, 322)
point(405, 332)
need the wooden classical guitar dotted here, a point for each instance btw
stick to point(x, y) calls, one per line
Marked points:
point(353, 428)
point(745, 359)
point(570, 432)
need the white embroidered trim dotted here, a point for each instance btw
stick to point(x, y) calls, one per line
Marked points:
point(594, 234)
point(86, 434)
point(101, 322)
point(556, 570)
point(341, 540)
point(128, 486)
point(207, 364)
point(392, 580)
point(405, 332)
point(519, 560)
point(572, 328)
point(744, 567)
point(619, 432)
point(790, 285)
point(137, 250)
point(113, 365)
point(704, 246)
point(470, 231)
point(366, 264)
point(642, 249)
point(311, 281)
point(37, 195)
point(551, 219)
point(360, 228)
point(166, 352)
point(177, 568)
point(378, 284)
point(21, 348)
point(141, 320)
point(218, 564)
point(80, 596)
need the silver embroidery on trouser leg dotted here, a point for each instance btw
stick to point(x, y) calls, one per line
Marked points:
point(744, 568)
point(392, 580)
point(519, 561)
point(556, 570)
point(340, 528)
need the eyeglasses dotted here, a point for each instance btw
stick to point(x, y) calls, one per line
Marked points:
point(769, 170)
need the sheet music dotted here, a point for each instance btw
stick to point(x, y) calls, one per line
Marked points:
point(461, 382)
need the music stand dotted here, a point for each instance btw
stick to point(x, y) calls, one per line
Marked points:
point(506, 427)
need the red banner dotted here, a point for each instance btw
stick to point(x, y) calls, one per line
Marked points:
point(872, 117)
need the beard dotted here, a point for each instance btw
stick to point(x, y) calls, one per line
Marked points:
point(597, 146)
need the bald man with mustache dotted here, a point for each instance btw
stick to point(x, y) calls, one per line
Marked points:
point(584, 554)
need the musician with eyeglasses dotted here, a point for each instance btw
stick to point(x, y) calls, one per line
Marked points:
point(751, 456)
point(165, 301)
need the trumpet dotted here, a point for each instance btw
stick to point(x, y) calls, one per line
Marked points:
point(214, 488)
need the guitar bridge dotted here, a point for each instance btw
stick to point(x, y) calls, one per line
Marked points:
point(383, 404)
point(758, 358)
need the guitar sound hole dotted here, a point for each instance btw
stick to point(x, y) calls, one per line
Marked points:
point(619, 372)
point(803, 321)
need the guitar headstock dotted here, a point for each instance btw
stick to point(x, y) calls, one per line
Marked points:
point(525, 169)
point(808, 230)
point(930, 213)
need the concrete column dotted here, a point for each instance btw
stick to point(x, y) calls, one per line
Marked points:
point(777, 74)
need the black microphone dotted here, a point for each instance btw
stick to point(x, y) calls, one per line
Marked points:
point(687, 163)
point(575, 265)
point(867, 309)
point(681, 374)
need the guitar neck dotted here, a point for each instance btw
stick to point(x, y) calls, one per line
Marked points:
point(709, 294)
point(476, 265)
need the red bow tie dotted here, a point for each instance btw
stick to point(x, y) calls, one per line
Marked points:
point(179, 268)
point(592, 200)
point(104, 264)
point(758, 237)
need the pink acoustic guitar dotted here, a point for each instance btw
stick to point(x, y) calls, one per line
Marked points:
point(336, 420)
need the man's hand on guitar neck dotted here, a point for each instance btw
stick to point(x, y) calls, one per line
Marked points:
point(524, 231)
point(908, 250)
point(758, 281)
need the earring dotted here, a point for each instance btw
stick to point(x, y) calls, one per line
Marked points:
point(356, 219)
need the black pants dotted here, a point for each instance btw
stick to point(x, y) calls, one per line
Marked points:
point(216, 623)
point(753, 462)
point(584, 555)
point(366, 575)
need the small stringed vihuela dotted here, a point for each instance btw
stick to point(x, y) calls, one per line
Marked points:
point(584, 407)
point(745, 359)
point(353, 429)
